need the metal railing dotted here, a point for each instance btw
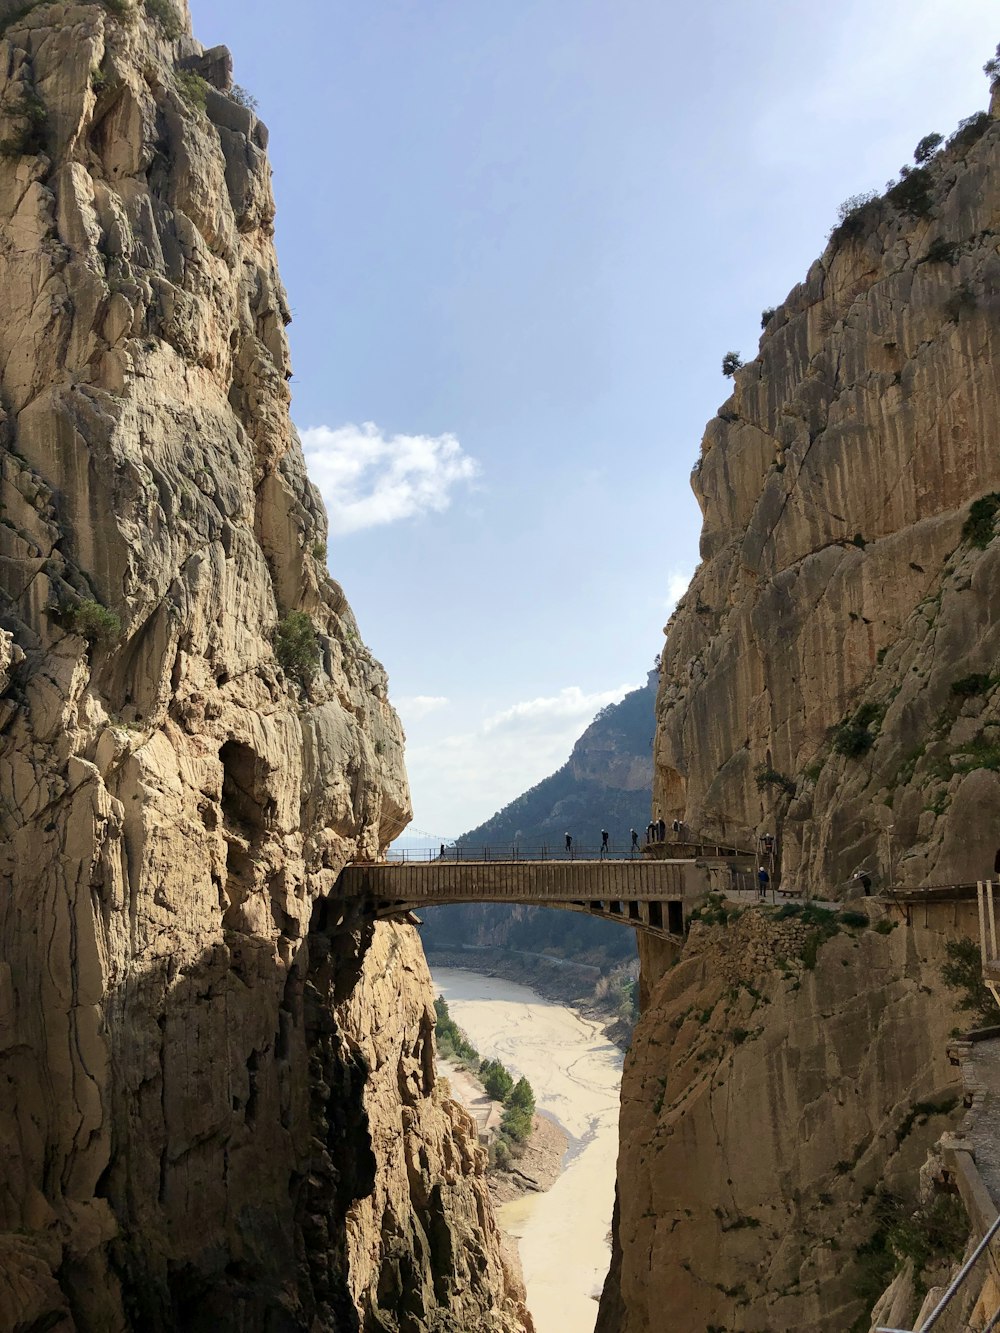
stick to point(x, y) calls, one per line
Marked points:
point(424, 855)
point(953, 1288)
point(556, 852)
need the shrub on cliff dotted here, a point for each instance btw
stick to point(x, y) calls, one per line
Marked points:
point(977, 529)
point(854, 216)
point(731, 363)
point(94, 622)
point(853, 736)
point(912, 192)
point(296, 646)
point(964, 972)
point(452, 1043)
point(167, 18)
point(31, 119)
point(927, 147)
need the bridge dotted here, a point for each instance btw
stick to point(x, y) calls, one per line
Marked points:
point(645, 894)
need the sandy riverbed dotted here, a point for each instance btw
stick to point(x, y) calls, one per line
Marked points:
point(576, 1074)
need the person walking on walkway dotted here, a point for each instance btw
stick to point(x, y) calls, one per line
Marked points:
point(569, 843)
point(635, 839)
point(763, 880)
point(604, 842)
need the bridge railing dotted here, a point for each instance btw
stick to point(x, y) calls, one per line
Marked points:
point(423, 855)
point(547, 852)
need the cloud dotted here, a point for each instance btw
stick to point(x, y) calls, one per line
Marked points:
point(415, 706)
point(677, 585)
point(465, 777)
point(569, 705)
point(368, 479)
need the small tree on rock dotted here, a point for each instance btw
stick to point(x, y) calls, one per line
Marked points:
point(731, 363)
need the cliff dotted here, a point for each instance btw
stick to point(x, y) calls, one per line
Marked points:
point(829, 672)
point(828, 678)
point(218, 1103)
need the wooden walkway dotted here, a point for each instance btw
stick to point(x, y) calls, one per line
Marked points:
point(646, 895)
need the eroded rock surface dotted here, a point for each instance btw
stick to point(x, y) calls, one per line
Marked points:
point(178, 793)
point(835, 485)
point(829, 678)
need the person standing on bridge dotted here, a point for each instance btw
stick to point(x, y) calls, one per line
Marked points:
point(635, 839)
point(604, 842)
point(569, 844)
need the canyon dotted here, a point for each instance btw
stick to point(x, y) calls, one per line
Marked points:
point(219, 1107)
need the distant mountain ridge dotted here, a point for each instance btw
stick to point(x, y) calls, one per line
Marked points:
point(605, 783)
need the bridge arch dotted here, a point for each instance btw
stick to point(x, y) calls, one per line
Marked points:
point(645, 895)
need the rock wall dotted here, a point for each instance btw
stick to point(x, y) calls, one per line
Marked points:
point(808, 672)
point(201, 1075)
point(828, 678)
point(764, 1104)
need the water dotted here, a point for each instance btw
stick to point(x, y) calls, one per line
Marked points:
point(562, 1235)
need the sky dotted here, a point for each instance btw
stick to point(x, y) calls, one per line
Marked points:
point(517, 240)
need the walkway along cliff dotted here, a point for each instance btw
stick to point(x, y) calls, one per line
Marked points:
point(829, 678)
point(217, 1097)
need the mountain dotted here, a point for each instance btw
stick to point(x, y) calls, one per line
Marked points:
point(605, 783)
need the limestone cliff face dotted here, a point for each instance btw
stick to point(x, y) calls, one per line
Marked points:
point(187, 1120)
point(835, 485)
point(828, 678)
point(763, 1104)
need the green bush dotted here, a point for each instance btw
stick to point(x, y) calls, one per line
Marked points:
point(941, 251)
point(451, 1040)
point(121, 9)
point(30, 136)
point(766, 316)
point(765, 776)
point(970, 130)
point(192, 88)
point(94, 622)
point(167, 18)
point(296, 646)
point(856, 920)
point(927, 147)
point(854, 215)
point(967, 686)
point(964, 972)
point(912, 192)
point(977, 529)
point(853, 736)
point(496, 1080)
point(246, 99)
point(992, 67)
point(731, 363)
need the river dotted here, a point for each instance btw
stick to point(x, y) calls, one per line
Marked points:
point(562, 1235)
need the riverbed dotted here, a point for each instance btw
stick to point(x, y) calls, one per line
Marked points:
point(562, 1235)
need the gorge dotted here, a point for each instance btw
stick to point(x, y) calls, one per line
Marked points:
point(219, 1109)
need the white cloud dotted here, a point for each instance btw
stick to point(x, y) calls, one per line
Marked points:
point(569, 705)
point(415, 706)
point(677, 585)
point(368, 479)
point(467, 776)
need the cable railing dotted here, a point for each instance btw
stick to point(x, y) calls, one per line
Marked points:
point(953, 1288)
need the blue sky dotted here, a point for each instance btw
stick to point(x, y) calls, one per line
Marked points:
point(517, 240)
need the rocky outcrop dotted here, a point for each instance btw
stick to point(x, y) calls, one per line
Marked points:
point(829, 678)
point(193, 1060)
point(829, 672)
point(765, 1102)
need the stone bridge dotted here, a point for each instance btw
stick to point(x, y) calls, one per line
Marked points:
point(647, 895)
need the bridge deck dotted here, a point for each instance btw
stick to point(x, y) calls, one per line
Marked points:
point(647, 895)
